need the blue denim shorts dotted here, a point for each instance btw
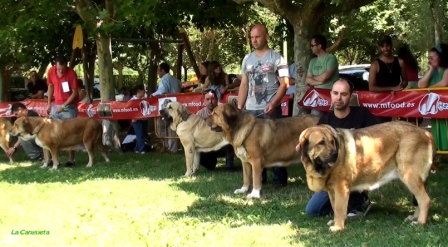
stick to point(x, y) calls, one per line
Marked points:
point(70, 111)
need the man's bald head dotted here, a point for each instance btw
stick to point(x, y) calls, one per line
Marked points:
point(259, 37)
point(260, 28)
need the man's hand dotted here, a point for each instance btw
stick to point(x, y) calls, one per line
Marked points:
point(48, 109)
point(59, 110)
point(10, 151)
point(269, 108)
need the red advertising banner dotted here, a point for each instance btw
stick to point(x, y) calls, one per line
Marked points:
point(409, 103)
point(144, 108)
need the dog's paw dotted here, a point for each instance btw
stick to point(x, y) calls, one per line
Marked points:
point(411, 218)
point(44, 166)
point(330, 223)
point(243, 190)
point(336, 228)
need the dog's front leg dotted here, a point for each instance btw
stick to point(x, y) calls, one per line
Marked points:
point(196, 159)
point(257, 170)
point(247, 171)
point(189, 159)
point(341, 196)
point(54, 157)
point(46, 157)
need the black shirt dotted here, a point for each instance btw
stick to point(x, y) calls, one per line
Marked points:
point(359, 117)
point(32, 113)
point(40, 85)
point(389, 74)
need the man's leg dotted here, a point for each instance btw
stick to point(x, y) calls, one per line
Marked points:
point(31, 149)
point(319, 204)
point(140, 143)
point(230, 157)
point(208, 160)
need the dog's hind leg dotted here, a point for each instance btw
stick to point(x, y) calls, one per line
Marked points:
point(416, 186)
point(4, 144)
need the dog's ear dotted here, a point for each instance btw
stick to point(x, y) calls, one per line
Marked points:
point(39, 127)
point(184, 114)
point(302, 147)
point(230, 114)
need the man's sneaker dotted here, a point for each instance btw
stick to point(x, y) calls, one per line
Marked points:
point(361, 211)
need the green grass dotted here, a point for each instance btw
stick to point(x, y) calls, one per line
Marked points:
point(142, 200)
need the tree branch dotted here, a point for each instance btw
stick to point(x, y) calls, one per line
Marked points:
point(345, 6)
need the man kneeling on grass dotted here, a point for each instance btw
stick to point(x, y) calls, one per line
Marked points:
point(30, 147)
point(209, 159)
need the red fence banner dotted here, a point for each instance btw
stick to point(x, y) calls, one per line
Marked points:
point(133, 109)
point(408, 103)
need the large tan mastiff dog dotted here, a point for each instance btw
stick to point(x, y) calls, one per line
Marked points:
point(56, 134)
point(193, 133)
point(5, 127)
point(341, 160)
point(259, 143)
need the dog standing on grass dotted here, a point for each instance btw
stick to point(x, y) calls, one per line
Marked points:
point(56, 134)
point(340, 161)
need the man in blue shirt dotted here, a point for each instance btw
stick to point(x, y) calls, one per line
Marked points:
point(168, 84)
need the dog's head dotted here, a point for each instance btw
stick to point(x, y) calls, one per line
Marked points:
point(223, 117)
point(24, 127)
point(319, 148)
point(174, 113)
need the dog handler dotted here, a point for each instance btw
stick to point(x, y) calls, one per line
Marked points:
point(63, 86)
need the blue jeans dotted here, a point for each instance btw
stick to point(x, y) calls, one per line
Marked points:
point(320, 205)
point(70, 111)
point(140, 129)
point(280, 173)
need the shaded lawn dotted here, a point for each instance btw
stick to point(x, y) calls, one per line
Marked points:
point(142, 200)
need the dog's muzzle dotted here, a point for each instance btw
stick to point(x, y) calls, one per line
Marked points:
point(165, 116)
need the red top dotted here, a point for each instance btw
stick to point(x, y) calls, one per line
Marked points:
point(412, 75)
point(69, 76)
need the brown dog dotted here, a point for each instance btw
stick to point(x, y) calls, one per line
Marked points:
point(193, 133)
point(341, 160)
point(5, 127)
point(259, 143)
point(55, 134)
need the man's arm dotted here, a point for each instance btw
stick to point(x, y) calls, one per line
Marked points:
point(404, 78)
point(73, 84)
point(161, 89)
point(242, 92)
point(311, 81)
point(324, 76)
point(281, 91)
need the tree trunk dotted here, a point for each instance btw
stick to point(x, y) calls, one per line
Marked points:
point(110, 128)
point(3, 88)
point(435, 6)
point(302, 55)
point(152, 68)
